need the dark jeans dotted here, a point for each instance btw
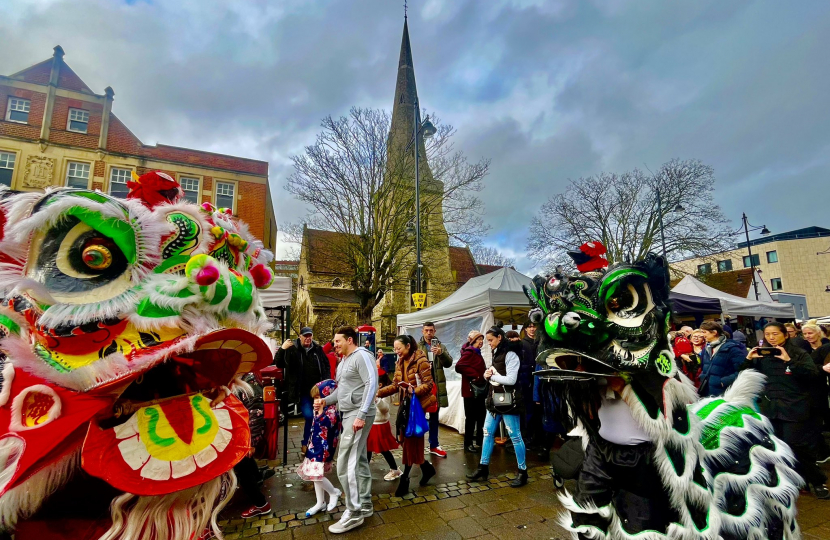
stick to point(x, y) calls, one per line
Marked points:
point(247, 474)
point(307, 408)
point(527, 416)
point(800, 436)
point(473, 420)
point(433, 429)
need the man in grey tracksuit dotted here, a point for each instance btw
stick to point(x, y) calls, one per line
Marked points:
point(357, 385)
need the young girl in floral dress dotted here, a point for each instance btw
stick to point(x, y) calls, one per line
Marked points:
point(322, 446)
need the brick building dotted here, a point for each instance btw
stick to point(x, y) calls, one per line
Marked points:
point(55, 131)
point(793, 262)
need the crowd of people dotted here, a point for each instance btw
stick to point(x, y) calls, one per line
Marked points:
point(796, 363)
point(346, 395)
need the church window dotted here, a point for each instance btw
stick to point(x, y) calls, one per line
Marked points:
point(337, 282)
point(413, 283)
point(302, 282)
point(401, 100)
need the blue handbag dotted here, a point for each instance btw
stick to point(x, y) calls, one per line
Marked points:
point(416, 425)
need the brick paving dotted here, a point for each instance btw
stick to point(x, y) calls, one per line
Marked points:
point(448, 508)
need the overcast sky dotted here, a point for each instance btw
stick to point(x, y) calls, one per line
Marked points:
point(547, 89)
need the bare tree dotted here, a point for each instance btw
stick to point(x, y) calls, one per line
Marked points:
point(490, 256)
point(357, 185)
point(620, 210)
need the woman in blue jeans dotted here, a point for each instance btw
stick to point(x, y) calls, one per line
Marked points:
point(502, 376)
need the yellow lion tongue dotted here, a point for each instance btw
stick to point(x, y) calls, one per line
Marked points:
point(177, 428)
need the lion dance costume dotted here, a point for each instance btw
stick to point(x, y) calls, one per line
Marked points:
point(121, 322)
point(659, 461)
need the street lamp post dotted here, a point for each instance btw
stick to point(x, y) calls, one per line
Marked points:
point(426, 130)
point(748, 227)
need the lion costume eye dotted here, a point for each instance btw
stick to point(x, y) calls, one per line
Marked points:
point(78, 264)
point(629, 301)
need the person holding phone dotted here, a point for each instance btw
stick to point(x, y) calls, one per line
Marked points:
point(439, 357)
point(785, 400)
point(413, 377)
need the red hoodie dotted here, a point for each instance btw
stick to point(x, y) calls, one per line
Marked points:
point(328, 350)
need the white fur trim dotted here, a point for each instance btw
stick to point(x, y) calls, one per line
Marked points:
point(8, 379)
point(15, 422)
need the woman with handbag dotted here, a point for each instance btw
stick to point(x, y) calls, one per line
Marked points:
point(504, 401)
point(413, 379)
point(474, 388)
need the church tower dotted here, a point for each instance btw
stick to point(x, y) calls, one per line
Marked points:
point(436, 272)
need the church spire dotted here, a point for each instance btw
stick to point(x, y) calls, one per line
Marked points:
point(406, 92)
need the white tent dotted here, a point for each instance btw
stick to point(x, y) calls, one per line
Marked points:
point(734, 305)
point(477, 305)
point(278, 294)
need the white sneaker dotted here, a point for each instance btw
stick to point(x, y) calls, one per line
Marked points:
point(393, 474)
point(367, 511)
point(348, 522)
point(314, 509)
point(333, 500)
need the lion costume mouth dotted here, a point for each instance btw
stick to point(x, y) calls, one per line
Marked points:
point(569, 365)
point(163, 435)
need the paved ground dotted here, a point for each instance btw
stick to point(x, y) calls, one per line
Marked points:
point(448, 508)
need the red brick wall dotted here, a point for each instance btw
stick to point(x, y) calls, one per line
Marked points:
point(39, 73)
point(60, 117)
point(100, 169)
point(250, 206)
point(69, 80)
point(119, 138)
point(195, 157)
point(13, 129)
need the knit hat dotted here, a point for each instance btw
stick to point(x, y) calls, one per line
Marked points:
point(473, 335)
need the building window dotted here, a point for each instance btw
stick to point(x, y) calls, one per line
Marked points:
point(703, 269)
point(191, 188)
point(78, 120)
point(18, 110)
point(337, 282)
point(772, 256)
point(6, 168)
point(224, 194)
point(77, 175)
point(118, 182)
point(756, 260)
point(776, 284)
point(725, 266)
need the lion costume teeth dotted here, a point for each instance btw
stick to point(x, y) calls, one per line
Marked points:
point(717, 470)
point(118, 320)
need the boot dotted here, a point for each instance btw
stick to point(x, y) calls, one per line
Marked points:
point(427, 472)
point(481, 473)
point(521, 479)
point(403, 487)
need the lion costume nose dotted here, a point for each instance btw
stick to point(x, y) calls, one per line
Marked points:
point(571, 320)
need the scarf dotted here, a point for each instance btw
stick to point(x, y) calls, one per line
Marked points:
point(325, 429)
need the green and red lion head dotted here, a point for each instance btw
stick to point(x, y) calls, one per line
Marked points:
point(120, 322)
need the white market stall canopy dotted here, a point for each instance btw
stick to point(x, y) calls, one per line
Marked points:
point(731, 304)
point(498, 291)
point(278, 294)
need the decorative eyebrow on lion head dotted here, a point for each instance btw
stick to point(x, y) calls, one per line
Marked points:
point(119, 321)
point(602, 320)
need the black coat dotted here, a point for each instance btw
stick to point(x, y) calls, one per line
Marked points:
point(786, 395)
point(302, 369)
point(819, 386)
point(528, 364)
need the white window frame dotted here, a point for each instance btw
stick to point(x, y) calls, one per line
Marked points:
point(109, 177)
point(69, 164)
point(198, 189)
point(216, 192)
point(12, 161)
point(27, 106)
point(81, 113)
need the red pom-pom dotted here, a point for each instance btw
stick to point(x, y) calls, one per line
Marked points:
point(262, 276)
point(207, 276)
point(154, 188)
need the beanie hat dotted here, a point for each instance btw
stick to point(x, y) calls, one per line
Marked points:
point(473, 335)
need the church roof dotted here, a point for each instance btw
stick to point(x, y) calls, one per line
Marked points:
point(333, 296)
point(463, 264)
point(322, 248)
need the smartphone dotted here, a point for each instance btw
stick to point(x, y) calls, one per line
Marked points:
point(434, 342)
point(768, 351)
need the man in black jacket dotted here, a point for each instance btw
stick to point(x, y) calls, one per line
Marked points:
point(305, 365)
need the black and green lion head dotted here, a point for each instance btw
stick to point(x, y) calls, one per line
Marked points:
point(610, 320)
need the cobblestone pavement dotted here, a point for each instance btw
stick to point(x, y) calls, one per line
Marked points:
point(450, 507)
